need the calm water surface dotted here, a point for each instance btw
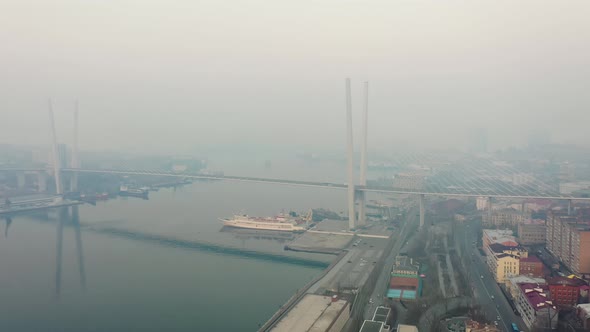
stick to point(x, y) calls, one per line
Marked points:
point(138, 283)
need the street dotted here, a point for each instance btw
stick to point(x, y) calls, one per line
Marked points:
point(486, 287)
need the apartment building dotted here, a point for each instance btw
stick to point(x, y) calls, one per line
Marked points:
point(504, 218)
point(532, 232)
point(568, 238)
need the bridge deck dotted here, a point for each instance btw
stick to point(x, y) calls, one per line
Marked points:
point(448, 190)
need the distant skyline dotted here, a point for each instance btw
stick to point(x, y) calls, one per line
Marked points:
point(155, 76)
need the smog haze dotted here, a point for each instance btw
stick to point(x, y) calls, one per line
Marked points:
point(178, 76)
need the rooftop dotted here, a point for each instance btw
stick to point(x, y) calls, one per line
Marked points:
point(537, 295)
point(520, 279)
point(586, 308)
point(371, 326)
point(405, 263)
point(503, 236)
point(381, 314)
point(500, 248)
point(530, 259)
point(406, 328)
point(508, 211)
point(539, 222)
point(540, 201)
point(505, 255)
point(312, 313)
point(575, 282)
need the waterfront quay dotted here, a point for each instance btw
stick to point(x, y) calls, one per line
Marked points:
point(325, 302)
point(35, 205)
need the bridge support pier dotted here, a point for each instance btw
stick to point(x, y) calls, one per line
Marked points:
point(569, 207)
point(362, 195)
point(41, 182)
point(75, 162)
point(362, 216)
point(351, 213)
point(20, 180)
point(421, 211)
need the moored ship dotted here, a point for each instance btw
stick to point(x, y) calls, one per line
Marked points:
point(278, 223)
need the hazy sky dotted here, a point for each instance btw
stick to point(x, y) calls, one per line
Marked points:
point(160, 75)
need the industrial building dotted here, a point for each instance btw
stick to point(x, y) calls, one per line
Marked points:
point(404, 284)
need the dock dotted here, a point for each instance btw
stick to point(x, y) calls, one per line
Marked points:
point(12, 211)
point(358, 254)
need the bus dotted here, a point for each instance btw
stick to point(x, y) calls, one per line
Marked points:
point(515, 328)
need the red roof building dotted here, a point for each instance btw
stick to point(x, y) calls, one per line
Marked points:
point(564, 291)
point(531, 266)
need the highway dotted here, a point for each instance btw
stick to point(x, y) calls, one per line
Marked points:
point(486, 287)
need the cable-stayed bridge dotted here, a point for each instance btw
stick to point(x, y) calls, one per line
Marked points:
point(426, 174)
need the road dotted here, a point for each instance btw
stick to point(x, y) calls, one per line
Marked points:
point(382, 283)
point(486, 287)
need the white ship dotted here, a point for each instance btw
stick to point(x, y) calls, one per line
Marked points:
point(279, 223)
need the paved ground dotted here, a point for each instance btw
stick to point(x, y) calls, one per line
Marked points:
point(352, 271)
point(321, 241)
point(356, 268)
point(382, 284)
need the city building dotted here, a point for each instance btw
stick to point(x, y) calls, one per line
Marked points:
point(535, 306)
point(371, 326)
point(565, 292)
point(481, 203)
point(503, 261)
point(568, 239)
point(583, 313)
point(501, 236)
point(382, 314)
point(513, 284)
point(315, 313)
point(405, 265)
point(537, 204)
point(531, 266)
point(504, 218)
point(379, 321)
point(532, 231)
point(404, 284)
point(406, 328)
